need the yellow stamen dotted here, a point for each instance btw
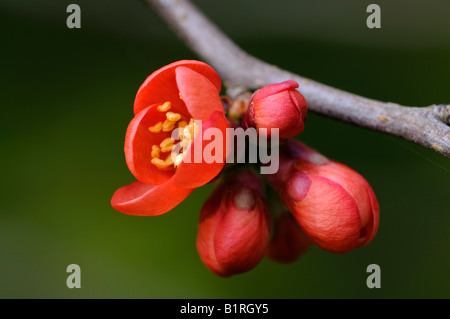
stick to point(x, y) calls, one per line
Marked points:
point(169, 160)
point(166, 142)
point(167, 148)
point(164, 107)
point(155, 151)
point(181, 98)
point(187, 132)
point(168, 126)
point(173, 116)
point(161, 164)
point(156, 128)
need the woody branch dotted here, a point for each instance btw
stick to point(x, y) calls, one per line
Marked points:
point(426, 126)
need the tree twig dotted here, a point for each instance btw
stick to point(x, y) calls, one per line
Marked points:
point(426, 126)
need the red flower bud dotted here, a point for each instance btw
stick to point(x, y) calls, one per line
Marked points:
point(234, 225)
point(288, 242)
point(277, 106)
point(333, 204)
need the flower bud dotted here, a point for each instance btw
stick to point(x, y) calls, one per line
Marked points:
point(277, 106)
point(235, 225)
point(288, 242)
point(334, 205)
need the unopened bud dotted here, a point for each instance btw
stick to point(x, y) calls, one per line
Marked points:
point(277, 106)
point(234, 225)
point(334, 205)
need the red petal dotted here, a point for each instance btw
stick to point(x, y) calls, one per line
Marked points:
point(191, 175)
point(289, 241)
point(369, 232)
point(199, 94)
point(234, 225)
point(277, 111)
point(138, 146)
point(274, 88)
point(329, 216)
point(241, 238)
point(148, 200)
point(161, 86)
point(300, 102)
point(210, 217)
point(352, 182)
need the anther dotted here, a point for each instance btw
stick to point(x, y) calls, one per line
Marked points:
point(167, 148)
point(168, 126)
point(169, 160)
point(160, 163)
point(156, 128)
point(164, 107)
point(166, 142)
point(173, 116)
point(155, 151)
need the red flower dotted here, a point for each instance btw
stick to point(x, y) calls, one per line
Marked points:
point(277, 106)
point(333, 204)
point(288, 242)
point(176, 96)
point(234, 225)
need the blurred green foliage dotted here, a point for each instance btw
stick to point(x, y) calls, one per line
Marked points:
point(67, 96)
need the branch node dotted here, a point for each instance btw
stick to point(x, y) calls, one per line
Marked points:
point(442, 112)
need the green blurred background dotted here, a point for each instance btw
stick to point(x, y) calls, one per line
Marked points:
point(66, 100)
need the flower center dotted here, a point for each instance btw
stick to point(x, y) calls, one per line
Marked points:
point(186, 134)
